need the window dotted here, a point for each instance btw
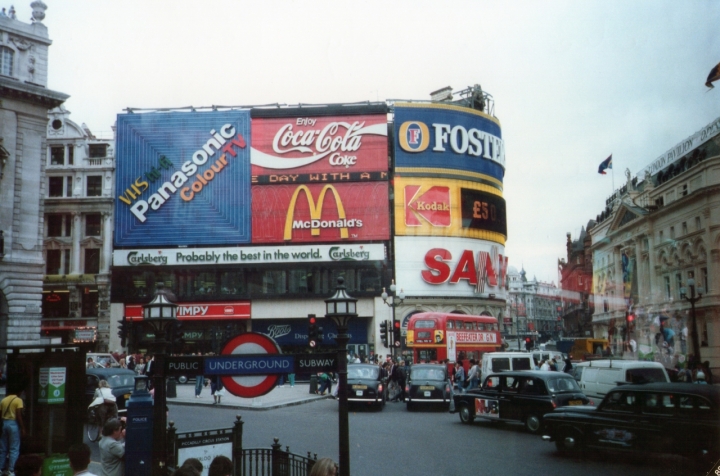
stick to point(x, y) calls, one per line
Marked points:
point(678, 284)
point(672, 232)
point(53, 261)
point(55, 223)
point(683, 190)
point(70, 154)
point(66, 262)
point(667, 287)
point(89, 302)
point(662, 237)
point(98, 151)
point(684, 228)
point(6, 61)
point(425, 324)
point(56, 186)
point(93, 223)
point(92, 261)
point(94, 186)
point(620, 402)
point(68, 187)
point(703, 279)
point(57, 155)
point(698, 223)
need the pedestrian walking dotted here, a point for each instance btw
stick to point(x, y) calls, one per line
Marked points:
point(199, 384)
point(216, 389)
point(112, 449)
point(13, 429)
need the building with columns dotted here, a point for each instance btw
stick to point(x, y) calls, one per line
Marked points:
point(24, 104)
point(658, 231)
point(77, 232)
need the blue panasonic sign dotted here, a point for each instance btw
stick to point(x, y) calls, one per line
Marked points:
point(181, 174)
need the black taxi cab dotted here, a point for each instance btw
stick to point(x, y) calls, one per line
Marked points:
point(676, 418)
point(365, 385)
point(519, 396)
point(428, 384)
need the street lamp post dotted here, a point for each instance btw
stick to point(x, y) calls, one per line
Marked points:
point(159, 315)
point(396, 300)
point(340, 307)
point(695, 296)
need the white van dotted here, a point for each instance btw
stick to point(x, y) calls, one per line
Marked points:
point(598, 377)
point(540, 355)
point(493, 362)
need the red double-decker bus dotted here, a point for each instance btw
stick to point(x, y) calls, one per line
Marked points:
point(436, 336)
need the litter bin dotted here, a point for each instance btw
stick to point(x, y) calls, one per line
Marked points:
point(313, 384)
point(171, 389)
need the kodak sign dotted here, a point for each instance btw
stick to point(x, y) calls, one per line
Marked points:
point(305, 213)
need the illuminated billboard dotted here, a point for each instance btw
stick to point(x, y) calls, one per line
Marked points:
point(181, 174)
point(441, 266)
point(306, 213)
point(348, 144)
point(446, 207)
point(444, 139)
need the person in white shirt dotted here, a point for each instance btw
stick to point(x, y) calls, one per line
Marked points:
point(104, 401)
point(544, 365)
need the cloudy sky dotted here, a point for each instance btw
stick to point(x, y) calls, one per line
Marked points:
point(573, 82)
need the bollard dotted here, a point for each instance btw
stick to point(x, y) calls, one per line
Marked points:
point(313, 384)
point(171, 390)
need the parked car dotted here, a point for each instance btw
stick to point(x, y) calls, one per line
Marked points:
point(121, 381)
point(597, 377)
point(427, 384)
point(365, 385)
point(523, 396)
point(494, 362)
point(676, 418)
point(103, 360)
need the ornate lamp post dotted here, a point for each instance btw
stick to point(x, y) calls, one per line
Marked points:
point(396, 300)
point(160, 314)
point(695, 296)
point(340, 307)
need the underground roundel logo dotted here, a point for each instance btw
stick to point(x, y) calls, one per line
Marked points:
point(251, 385)
point(427, 204)
point(414, 136)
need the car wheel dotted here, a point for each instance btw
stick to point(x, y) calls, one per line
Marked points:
point(466, 415)
point(533, 423)
point(182, 379)
point(569, 441)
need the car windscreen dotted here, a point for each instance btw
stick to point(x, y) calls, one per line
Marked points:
point(564, 384)
point(363, 372)
point(124, 380)
point(427, 374)
point(645, 375)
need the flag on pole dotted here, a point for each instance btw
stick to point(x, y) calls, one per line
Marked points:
point(605, 164)
point(713, 76)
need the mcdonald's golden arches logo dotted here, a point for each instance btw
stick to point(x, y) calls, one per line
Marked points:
point(316, 224)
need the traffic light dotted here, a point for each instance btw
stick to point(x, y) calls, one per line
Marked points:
point(314, 331)
point(396, 333)
point(384, 333)
point(528, 343)
point(123, 331)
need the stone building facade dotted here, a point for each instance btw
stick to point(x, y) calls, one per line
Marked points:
point(77, 232)
point(657, 232)
point(24, 104)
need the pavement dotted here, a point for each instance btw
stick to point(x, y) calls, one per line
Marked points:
point(278, 397)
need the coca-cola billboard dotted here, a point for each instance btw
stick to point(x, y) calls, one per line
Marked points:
point(333, 144)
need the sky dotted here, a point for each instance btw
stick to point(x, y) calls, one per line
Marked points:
point(572, 82)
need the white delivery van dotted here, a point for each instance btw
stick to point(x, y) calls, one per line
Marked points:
point(597, 377)
point(540, 355)
point(493, 362)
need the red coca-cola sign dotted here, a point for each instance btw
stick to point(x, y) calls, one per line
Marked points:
point(332, 144)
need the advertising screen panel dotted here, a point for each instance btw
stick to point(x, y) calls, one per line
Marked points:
point(440, 266)
point(319, 145)
point(341, 212)
point(447, 207)
point(183, 178)
point(432, 139)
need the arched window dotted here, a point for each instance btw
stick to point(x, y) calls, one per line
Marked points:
point(6, 61)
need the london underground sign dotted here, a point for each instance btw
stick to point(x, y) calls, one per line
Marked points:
point(257, 373)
